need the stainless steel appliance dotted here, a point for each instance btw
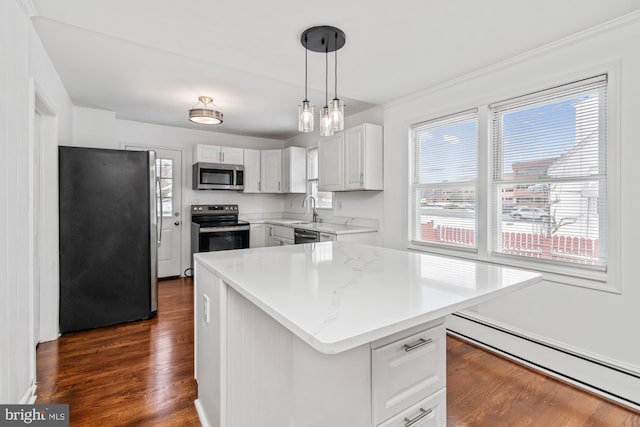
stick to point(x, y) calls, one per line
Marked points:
point(108, 237)
point(217, 228)
point(305, 236)
point(218, 176)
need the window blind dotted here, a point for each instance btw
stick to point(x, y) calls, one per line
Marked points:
point(444, 157)
point(549, 174)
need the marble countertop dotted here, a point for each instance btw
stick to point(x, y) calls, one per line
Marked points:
point(323, 227)
point(336, 296)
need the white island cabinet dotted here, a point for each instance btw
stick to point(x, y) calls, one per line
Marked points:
point(330, 334)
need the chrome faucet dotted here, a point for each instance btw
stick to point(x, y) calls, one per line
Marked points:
point(313, 206)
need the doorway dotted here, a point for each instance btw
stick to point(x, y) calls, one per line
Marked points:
point(169, 194)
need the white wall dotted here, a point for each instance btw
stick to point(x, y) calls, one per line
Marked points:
point(604, 325)
point(22, 58)
point(362, 204)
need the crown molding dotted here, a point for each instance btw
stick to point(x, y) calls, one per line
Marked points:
point(612, 24)
point(28, 7)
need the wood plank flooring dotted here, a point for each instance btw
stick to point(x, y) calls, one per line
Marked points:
point(135, 374)
point(141, 374)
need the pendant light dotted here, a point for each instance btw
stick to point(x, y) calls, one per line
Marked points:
point(205, 115)
point(325, 118)
point(306, 110)
point(323, 39)
point(336, 110)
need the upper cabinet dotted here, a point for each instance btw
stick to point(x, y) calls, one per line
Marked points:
point(252, 171)
point(294, 170)
point(351, 160)
point(271, 171)
point(217, 154)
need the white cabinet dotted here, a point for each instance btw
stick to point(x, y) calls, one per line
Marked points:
point(268, 228)
point(281, 236)
point(407, 371)
point(363, 158)
point(217, 154)
point(430, 412)
point(351, 160)
point(257, 236)
point(251, 171)
point(327, 237)
point(271, 171)
point(330, 168)
point(294, 170)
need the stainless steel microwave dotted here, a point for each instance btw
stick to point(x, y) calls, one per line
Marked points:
point(218, 176)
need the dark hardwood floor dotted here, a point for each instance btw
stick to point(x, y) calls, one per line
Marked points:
point(141, 374)
point(135, 374)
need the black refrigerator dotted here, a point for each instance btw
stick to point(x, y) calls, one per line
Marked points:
point(108, 237)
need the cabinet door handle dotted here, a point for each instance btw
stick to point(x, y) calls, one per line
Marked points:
point(420, 343)
point(278, 185)
point(411, 421)
point(259, 185)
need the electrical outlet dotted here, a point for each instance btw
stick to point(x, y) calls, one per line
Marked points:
point(339, 205)
point(207, 318)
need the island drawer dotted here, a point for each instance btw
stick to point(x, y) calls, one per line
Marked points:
point(407, 371)
point(430, 412)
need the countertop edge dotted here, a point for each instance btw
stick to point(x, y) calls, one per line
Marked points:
point(350, 343)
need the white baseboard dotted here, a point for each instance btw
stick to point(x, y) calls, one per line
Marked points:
point(29, 396)
point(203, 418)
point(618, 384)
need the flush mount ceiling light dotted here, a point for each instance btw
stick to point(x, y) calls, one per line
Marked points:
point(205, 115)
point(322, 39)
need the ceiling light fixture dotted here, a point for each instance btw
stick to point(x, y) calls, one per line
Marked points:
point(205, 115)
point(322, 39)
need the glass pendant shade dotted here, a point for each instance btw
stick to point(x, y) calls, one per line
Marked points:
point(305, 116)
point(325, 122)
point(336, 113)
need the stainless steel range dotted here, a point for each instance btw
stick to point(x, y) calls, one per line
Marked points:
point(217, 228)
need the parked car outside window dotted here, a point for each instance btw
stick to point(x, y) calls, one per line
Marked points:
point(535, 214)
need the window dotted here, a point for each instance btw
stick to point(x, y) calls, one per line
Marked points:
point(324, 198)
point(549, 172)
point(444, 181)
point(165, 196)
point(541, 173)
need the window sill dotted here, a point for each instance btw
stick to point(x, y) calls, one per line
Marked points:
point(565, 275)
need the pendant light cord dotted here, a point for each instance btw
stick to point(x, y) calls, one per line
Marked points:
point(326, 76)
point(306, 55)
point(336, 67)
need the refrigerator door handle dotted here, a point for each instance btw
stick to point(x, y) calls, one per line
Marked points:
point(159, 213)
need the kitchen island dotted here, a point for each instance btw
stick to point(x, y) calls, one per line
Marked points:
point(330, 334)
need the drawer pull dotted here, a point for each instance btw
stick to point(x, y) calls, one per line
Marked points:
point(421, 415)
point(419, 344)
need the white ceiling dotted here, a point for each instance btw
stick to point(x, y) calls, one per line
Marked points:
point(149, 60)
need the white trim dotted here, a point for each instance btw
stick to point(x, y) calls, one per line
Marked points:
point(201, 415)
point(538, 51)
point(597, 374)
point(29, 397)
point(28, 7)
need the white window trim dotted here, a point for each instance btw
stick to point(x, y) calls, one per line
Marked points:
point(315, 147)
point(609, 280)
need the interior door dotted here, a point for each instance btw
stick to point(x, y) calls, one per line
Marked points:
point(169, 194)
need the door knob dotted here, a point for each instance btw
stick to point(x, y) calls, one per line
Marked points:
point(176, 223)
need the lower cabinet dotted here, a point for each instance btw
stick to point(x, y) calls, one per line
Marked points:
point(407, 371)
point(257, 236)
point(252, 371)
point(429, 412)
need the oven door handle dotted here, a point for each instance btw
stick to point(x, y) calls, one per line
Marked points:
point(223, 229)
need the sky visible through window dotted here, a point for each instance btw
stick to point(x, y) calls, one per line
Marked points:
point(546, 131)
point(449, 153)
